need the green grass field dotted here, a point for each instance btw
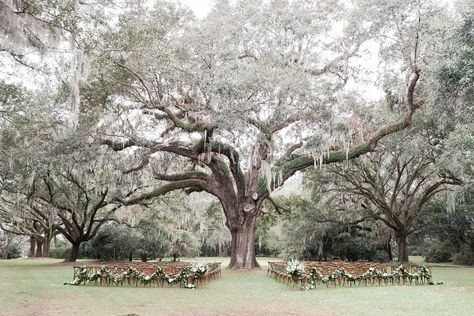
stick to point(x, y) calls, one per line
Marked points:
point(35, 287)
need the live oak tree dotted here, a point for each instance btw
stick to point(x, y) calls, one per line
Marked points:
point(393, 185)
point(253, 93)
point(81, 185)
point(24, 124)
point(58, 183)
point(241, 100)
point(53, 179)
point(37, 221)
point(81, 206)
point(60, 200)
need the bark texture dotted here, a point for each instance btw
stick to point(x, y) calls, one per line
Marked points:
point(74, 254)
point(243, 246)
point(402, 248)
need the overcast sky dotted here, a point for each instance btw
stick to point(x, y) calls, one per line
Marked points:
point(200, 7)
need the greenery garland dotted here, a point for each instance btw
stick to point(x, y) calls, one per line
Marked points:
point(295, 270)
point(422, 274)
point(132, 275)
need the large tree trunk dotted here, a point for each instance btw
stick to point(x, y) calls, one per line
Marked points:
point(74, 252)
point(422, 246)
point(32, 247)
point(389, 250)
point(243, 245)
point(402, 248)
point(39, 248)
point(46, 246)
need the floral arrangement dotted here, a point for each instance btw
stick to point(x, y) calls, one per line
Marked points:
point(295, 268)
point(199, 269)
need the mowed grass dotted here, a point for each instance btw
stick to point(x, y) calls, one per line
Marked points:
point(35, 287)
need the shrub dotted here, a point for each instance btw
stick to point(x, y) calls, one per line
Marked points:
point(439, 252)
point(466, 256)
point(10, 246)
point(184, 244)
point(60, 250)
point(353, 248)
point(12, 252)
point(380, 256)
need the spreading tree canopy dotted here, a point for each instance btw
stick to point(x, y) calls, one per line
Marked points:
point(256, 92)
point(244, 98)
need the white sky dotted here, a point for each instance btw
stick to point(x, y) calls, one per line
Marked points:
point(200, 7)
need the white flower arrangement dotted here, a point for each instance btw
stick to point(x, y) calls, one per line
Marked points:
point(295, 268)
point(199, 268)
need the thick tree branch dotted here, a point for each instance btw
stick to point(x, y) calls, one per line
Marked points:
point(177, 185)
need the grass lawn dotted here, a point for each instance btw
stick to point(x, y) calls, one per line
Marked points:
point(34, 287)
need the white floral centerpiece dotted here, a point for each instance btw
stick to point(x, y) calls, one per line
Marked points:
point(199, 269)
point(295, 268)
